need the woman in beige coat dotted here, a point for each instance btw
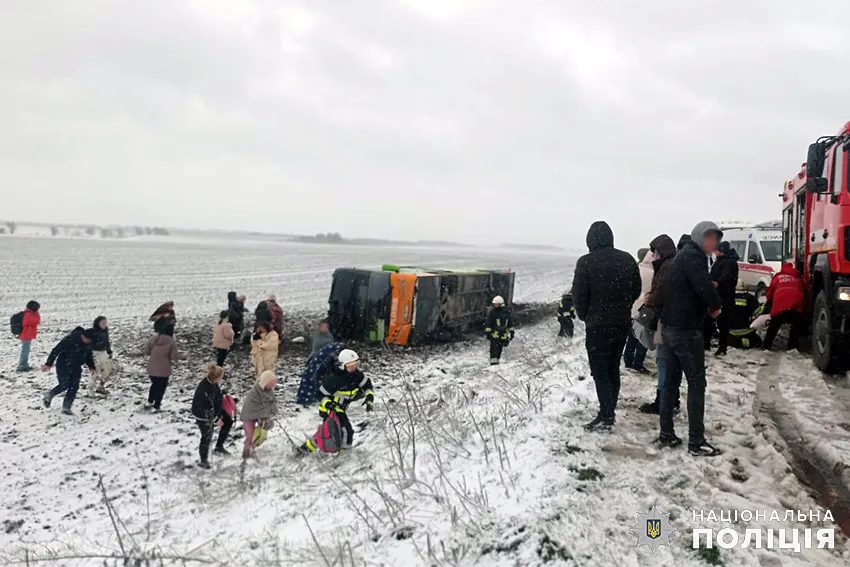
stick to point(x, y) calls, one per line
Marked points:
point(264, 348)
point(223, 337)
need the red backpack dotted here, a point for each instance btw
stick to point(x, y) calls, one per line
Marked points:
point(328, 437)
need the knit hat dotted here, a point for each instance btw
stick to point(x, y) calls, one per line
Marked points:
point(267, 379)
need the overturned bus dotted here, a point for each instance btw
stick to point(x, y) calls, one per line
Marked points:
point(400, 305)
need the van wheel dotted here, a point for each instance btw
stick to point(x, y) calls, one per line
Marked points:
point(823, 339)
point(760, 291)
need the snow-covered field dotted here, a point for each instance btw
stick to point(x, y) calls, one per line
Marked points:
point(459, 465)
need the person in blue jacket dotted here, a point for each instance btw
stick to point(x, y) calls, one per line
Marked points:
point(69, 356)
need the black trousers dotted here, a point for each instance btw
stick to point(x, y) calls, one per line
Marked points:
point(794, 319)
point(221, 355)
point(685, 354)
point(207, 429)
point(567, 327)
point(723, 326)
point(68, 383)
point(496, 347)
point(157, 391)
point(604, 349)
point(348, 430)
point(708, 328)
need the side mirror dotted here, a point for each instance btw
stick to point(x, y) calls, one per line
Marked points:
point(754, 260)
point(817, 185)
point(815, 160)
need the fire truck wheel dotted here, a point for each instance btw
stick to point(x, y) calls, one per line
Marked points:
point(823, 339)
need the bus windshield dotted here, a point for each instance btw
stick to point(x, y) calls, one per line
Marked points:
point(772, 250)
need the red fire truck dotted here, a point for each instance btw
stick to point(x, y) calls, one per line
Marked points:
point(816, 239)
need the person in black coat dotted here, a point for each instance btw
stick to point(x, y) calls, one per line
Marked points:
point(566, 315)
point(689, 296)
point(605, 286)
point(236, 313)
point(263, 313)
point(69, 355)
point(499, 330)
point(724, 274)
point(207, 410)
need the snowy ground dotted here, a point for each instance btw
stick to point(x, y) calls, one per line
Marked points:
point(459, 465)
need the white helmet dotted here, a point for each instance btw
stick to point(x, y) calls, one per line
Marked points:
point(346, 357)
point(498, 300)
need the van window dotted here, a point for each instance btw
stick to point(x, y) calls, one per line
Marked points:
point(772, 250)
point(739, 246)
point(754, 254)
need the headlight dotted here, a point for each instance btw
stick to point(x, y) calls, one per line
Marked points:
point(844, 294)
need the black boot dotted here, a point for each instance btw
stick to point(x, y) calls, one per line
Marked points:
point(599, 424)
point(668, 442)
point(653, 408)
point(703, 450)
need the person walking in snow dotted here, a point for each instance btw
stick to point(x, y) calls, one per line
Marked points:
point(208, 412)
point(259, 409)
point(724, 274)
point(664, 250)
point(223, 337)
point(566, 315)
point(322, 338)
point(635, 353)
point(30, 319)
point(499, 330)
point(102, 353)
point(787, 300)
point(690, 294)
point(605, 286)
point(69, 356)
point(236, 313)
point(162, 352)
point(277, 315)
point(264, 348)
point(344, 384)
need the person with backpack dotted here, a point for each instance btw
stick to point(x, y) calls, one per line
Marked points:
point(102, 353)
point(259, 408)
point(25, 326)
point(223, 337)
point(500, 329)
point(69, 355)
point(207, 409)
point(566, 315)
point(344, 384)
point(162, 352)
point(605, 286)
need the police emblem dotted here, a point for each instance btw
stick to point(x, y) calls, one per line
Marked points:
point(653, 529)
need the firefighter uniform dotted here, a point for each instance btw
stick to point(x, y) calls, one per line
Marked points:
point(499, 331)
point(566, 315)
point(339, 388)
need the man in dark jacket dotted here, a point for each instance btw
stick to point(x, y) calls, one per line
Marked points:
point(500, 329)
point(664, 250)
point(236, 314)
point(724, 274)
point(262, 314)
point(102, 355)
point(605, 286)
point(690, 295)
point(69, 355)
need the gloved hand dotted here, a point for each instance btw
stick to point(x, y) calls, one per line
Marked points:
point(370, 406)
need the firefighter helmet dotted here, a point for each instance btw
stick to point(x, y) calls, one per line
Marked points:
point(347, 357)
point(498, 300)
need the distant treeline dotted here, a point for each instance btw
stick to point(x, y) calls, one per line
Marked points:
point(337, 238)
point(12, 227)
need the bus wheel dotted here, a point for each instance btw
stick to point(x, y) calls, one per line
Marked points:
point(823, 338)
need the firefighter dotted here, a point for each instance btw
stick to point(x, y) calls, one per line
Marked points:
point(343, 383)
point(500, 329)
point(566, 315)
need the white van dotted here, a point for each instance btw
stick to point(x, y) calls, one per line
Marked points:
point(759, 248)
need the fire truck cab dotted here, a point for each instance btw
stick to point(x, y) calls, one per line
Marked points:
point(816, 239)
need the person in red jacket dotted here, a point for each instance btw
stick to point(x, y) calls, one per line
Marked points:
point(786, 298)
point(30, 324)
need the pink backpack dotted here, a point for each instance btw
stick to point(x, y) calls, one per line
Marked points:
point(228, 406)
point(328, 438)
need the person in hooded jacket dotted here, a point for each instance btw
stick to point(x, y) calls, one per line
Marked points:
point(684, 239)
point(162, 352)
point(635, 353)
point(69, 355)
point(664, 250)
point(787, 301)
point(29, 332)
point(102, 353)
point(689, 296)
point(322, 338)
point(724, 274)
point(605, 286)
point(259, 408)
point(236, 313)
point(208, 411)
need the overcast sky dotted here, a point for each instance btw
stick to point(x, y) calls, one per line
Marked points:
point(480, 121)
